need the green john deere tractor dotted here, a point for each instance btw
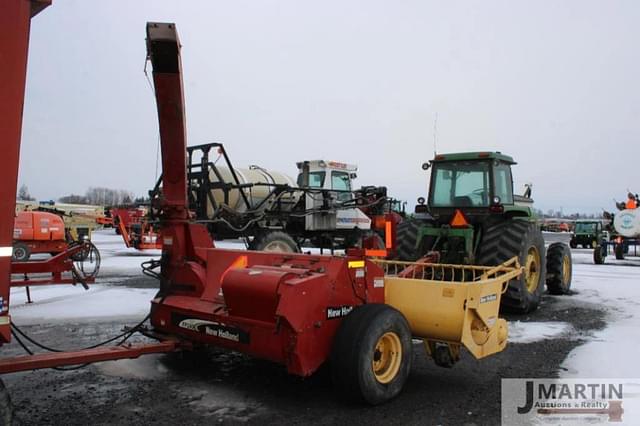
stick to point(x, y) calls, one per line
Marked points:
point(473, 217)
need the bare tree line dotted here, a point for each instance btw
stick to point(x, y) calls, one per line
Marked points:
point(100, 196)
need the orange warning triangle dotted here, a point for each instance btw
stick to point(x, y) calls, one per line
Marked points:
point(458, 221)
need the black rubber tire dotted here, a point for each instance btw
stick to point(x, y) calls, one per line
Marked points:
point(573, 243)
point(505, 240)
point(275, 238)
point(598, 256)
point(587, 245)
point(353, 351)
point(557, 281)
point(619, 251)
point(21, 252)
point(406, 238)
point(6, 408)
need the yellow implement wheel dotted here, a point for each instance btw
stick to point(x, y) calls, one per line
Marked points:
point(532, 269)
point(387, 357)
point(371, 354)
point(566, 270)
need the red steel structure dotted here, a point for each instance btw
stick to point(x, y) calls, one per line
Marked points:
point(15, 22)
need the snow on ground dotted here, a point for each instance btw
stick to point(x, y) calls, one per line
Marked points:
point(612, 352)
point(529, 332)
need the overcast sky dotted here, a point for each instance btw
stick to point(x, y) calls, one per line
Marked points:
point(554, 84)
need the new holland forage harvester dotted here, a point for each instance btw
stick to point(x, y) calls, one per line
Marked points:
point(298, 310)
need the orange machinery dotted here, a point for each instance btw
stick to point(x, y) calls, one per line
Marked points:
point(37, 232)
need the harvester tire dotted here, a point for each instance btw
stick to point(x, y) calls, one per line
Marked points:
point(559, 268)
point(598, 255)
point(523, 239)
point(619, 250)
point(406, 238)
point(21, 252)
point(276, 241)
point(6, 408)
point(371, 354)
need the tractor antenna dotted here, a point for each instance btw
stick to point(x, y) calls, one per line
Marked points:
point(435, 135)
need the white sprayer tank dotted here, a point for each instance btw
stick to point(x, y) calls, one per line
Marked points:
point(627, 223)
point(255, 194)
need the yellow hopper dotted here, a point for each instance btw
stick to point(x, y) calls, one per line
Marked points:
point(451, 305)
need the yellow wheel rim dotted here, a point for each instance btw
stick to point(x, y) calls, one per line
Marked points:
point(387, 357)
point(566, 269)
point(532, 269)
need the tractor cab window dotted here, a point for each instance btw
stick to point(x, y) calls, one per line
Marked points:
point(460, 184)
point(503, 185)
point(340, 181)
point(316, 179)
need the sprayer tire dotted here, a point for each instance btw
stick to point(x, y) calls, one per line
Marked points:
point(276, 241)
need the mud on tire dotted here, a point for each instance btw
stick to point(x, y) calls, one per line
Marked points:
point(522, 239)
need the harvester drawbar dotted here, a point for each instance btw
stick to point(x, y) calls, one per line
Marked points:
point(298, 310)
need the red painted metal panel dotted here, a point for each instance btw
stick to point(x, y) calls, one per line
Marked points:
point(15, 21)
point(163, 47)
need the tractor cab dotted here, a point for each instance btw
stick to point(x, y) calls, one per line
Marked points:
point(476, 184)
point(468, 193)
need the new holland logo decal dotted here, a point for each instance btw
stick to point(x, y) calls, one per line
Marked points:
point(211, 328)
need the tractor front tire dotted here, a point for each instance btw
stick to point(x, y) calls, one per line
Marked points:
point(275, 241)
point(573, 243)
point(524, 240)
point(599, 254)
point(406, 239)
point(21, 252)
point(619, 250)
point(6, 408)
point(371, 355)
point(559, 268)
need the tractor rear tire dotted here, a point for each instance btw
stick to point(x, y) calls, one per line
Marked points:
point(406, 239)
point(523, 239)
point(21, 252)
point(371, 355)
point(598, 255)
point(559, 269)
point(6, 408)
point(619, 250)
point(275, 241)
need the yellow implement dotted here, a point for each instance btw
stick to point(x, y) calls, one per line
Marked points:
point(451, 305)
